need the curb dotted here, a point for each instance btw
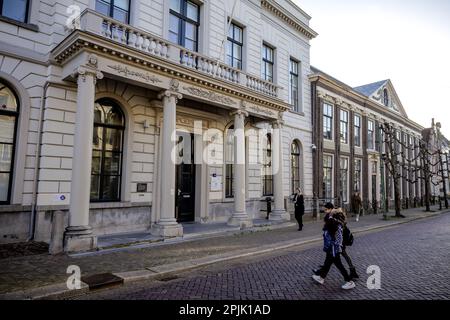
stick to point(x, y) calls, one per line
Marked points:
point(60, 291)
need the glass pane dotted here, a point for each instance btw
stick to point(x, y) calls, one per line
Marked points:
point(113, 139)
point(102, 6)
point(191, 31)
point(238, 34)
point(120, 15)
point(110, 187)
point(4, 186)
point(237, 50)
point(7, 99)
point(175, 5)
point(7, 125)
point(96, 162)
point(112, 163)
point(5, 157)
point(192, 11)
point(108, 113)
point(122, 4)
point(190, 45)
point(95, 187)
point(15, 9)
point(97, 138)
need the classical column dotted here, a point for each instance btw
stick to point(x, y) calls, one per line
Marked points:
point(78, 235)
point(279, 211)
point(167, 226)
point(240, 216)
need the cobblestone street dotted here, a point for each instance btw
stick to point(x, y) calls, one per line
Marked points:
point(414, 259)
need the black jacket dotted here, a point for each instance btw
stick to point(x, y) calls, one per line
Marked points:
point(299, 201)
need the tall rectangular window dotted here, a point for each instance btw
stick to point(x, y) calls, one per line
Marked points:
point(344, 126)
point(327, 177)
point(357, 176)
point(15, 9)
point(184, 23)
point(344, 179)
point(327, 121)
point(268, 61)
point(294, 85)
point(116, 9)
point(235, 42)
point(357, 128)
point(370, 135)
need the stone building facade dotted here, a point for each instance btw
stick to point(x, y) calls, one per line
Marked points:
point(132, 116)
point(349, 144)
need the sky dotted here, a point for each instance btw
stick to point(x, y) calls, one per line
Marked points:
point(407, 41)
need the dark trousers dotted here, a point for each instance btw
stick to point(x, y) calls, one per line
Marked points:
point(299, 218)
point(329, 260)
point(347, 258)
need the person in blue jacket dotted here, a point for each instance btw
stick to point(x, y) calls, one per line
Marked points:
point(332, 245)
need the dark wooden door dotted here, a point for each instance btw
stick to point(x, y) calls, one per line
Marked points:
point(185, 178)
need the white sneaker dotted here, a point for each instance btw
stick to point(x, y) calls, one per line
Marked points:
point(349, 285)
point(318, 279)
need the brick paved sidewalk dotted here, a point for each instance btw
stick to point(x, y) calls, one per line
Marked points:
point(25, 273)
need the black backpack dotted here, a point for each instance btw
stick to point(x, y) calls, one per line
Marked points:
point(348, 237)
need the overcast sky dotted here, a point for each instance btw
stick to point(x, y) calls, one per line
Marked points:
point(407, 41)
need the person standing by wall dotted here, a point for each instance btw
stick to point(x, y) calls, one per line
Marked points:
point(357, 205)
point(299, 203)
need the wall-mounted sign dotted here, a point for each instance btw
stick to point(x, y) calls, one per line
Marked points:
point(216, 183)
point(141, 187)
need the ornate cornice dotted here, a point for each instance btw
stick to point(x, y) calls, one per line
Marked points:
point(209, 95)
point(287, 17)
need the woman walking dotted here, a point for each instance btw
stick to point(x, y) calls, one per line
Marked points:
point(342, 218)
point(332, 240)
point(299, 203)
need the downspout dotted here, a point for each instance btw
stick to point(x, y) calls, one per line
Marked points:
point(37, 163)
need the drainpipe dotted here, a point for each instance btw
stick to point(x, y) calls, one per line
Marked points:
point(37, 163)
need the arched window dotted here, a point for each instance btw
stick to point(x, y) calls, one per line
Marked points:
point(267, 167)
point(109, 127)
point(386, 97)
point(295, 166)
point(9, 114)
point(229, 163)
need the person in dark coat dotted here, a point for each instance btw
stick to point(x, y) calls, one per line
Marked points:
point(299, 203)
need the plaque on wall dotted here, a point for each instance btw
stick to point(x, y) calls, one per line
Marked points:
point(216, 183)
point(141, 187)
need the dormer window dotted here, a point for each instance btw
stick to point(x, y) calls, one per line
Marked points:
point(386, 97)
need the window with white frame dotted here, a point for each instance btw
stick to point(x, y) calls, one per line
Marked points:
point(370, 135)
point(268, 61)
point(327, 177)
point(235, 43)
point(184, 23)
point(344, 126)
point(344, 179)
point(294, 85)
point(327, 121)
point(357, 128)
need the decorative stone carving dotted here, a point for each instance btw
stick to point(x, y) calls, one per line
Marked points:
point(83, 71)
point(142, 75)
point(209, 95)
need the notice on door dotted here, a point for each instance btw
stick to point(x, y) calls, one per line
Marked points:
point(216, 183)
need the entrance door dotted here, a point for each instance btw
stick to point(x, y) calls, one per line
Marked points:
point(185, 178)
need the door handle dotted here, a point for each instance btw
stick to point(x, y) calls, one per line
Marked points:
point(186, 196)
